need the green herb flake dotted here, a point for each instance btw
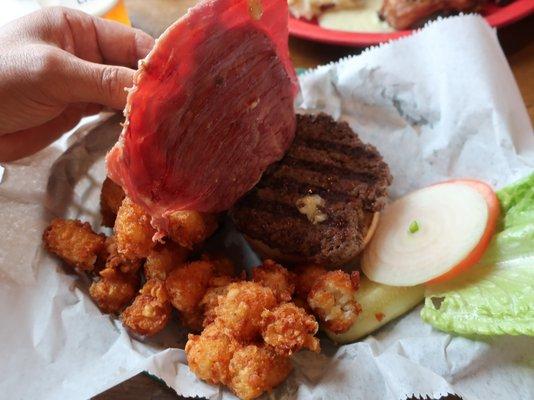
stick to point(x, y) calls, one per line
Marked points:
point(414, 227)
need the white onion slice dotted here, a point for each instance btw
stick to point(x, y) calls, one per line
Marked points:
point(425, 234)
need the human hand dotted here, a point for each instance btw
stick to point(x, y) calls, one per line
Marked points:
point(56, 66)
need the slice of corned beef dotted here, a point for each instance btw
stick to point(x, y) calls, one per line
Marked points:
point(211, 108)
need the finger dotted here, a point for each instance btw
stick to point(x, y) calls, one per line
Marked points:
point(29, 141)
point(92, 109)
point(95, 39)
point(78, 81)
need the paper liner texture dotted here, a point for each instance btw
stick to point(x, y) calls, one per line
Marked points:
point(439, 104)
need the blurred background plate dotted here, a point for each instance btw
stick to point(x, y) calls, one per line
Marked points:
point(496, 17)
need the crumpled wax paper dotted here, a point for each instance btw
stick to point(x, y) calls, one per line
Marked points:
point(439, 104)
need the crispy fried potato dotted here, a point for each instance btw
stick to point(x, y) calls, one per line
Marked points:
point(190, 228)
point(150, 311)
point(133, 231)
point(74, 242)
point(115, 290)
point(288, 329)
point(276, 277)
point(255, 370)
point(222, 265)
point(217, 287)
point(209, 354)
point(187, 285)
point(333, 299)
point(239, 311)
point(163, 259)
point(306, 276)
point(111, 197)
point(117, 261)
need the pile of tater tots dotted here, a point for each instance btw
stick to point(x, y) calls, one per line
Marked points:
point(243, 331)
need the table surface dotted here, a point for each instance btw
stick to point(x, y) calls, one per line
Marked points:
point(154, 16)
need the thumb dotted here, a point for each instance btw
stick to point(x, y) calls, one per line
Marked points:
point(88, 82)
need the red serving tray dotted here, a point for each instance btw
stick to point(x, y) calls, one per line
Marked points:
point(496, 17)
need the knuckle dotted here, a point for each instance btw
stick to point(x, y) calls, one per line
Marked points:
point(46, 62)
point(108, 77)
point(56, 13)
point(54, 16)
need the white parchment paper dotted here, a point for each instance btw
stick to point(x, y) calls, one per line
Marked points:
point(439, 104)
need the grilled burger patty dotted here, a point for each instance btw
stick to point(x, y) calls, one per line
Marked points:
point(316, 204)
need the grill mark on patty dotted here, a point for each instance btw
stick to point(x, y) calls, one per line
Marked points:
point(367, 177)
point(273, 207)
point(327, 186)
point(287, 184)
point(362, 163)
point(265, 201)
point(346, 148)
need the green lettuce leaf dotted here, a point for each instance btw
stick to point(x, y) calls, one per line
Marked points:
point(496, 296)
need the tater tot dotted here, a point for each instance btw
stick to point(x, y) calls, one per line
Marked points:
point(257, 369)
point(239, 311)
point(163, 259)
point(117, 261)
point(187, 285)
point(115, 290)
point(276, 277)
point(287, 329)
point(333, 299)
point(190, 228)
point(217, 287)
point(306, 276)
point(74, 242)
point(150, 311)
point(209, 355)
point(133, 231)
point(111, 197)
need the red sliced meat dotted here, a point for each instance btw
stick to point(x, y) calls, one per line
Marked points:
point(211, 108)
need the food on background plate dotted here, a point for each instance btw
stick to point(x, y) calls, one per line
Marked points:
point(311, 8)
point(379, 15)
point(404, 14)
point(318, 204)
point(207, 103)
point(432, 234)
point(363, 18)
